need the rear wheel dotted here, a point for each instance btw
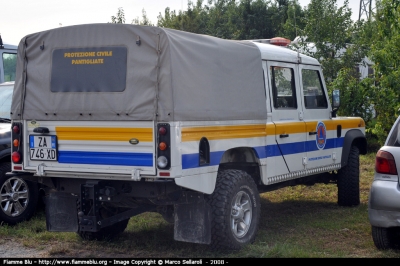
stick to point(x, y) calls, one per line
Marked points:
point(18, 198)
point(235, 207)
point(348, 181)
point(386, 238)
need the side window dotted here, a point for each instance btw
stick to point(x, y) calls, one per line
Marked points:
point(314, 96)
point(9, 66)
point(283, 87)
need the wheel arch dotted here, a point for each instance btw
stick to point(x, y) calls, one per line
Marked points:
point(5, 155)
point(353, 137)
point(242, 158)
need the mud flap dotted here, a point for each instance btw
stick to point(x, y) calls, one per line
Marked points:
point(61, 213)
point(193, 222)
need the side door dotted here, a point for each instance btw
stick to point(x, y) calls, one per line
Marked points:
point(287, 114)
point(275, 164)
point(320, 129)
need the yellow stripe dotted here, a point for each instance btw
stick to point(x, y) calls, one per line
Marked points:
point(227, 132)
point(346, 123)
point(261, 130)
point(289, 128)
point(104, 134)
point(350, 122)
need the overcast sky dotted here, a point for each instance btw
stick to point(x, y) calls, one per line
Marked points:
point(22, 17)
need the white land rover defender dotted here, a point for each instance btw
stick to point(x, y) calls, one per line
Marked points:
point(116, 120)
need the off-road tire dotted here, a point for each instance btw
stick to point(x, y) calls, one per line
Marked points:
point(348, 181)
point(18, 197)
point(106, 233)
point(386, 238)
point(228, 204)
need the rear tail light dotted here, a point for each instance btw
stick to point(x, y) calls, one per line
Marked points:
point(162, 130)
point(16, 157)
point(17, 143)
point(163, 146)
point(16, 129)
point(385, 163)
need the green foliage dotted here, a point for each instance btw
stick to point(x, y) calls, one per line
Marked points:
point(385, 52)
point(329, 28)
point(341, 45)
point(119, 18)
point(145, 21)
point(239, 20)
point(295, 22)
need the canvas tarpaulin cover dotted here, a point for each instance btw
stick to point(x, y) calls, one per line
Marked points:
point(109, 72)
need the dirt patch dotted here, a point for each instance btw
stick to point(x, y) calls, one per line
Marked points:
point(12, 249)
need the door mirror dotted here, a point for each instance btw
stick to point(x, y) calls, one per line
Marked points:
point(335, 102)
point(335, 99)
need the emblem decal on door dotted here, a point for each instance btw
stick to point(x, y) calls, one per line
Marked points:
point(321, 135)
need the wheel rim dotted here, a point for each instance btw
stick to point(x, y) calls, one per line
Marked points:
point(241, 214)
point(14, 196)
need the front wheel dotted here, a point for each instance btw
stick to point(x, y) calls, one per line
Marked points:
point(235, 206)
point(18, 198)
point(348, 181)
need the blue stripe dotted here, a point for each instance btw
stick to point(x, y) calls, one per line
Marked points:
point(192, 160)
point(330, 144)
point(106, 158)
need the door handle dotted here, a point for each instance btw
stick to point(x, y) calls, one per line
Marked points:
point(284, 135)
point(312, 133)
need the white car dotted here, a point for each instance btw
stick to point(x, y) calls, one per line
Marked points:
point(18, 197)
point(384, 198)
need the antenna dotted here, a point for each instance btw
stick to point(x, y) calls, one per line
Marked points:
point(1, 43)
point(294, 16)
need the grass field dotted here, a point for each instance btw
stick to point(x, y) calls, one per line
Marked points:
point(296, 222)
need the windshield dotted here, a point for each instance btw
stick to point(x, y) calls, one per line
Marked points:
point(9, 66)
point(6, 93)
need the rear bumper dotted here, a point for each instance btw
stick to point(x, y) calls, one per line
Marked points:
point(384, 204)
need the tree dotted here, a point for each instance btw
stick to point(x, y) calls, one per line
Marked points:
point(230, 19)
point(329, 28)
point(295, 22)
point(145, 21)
point(119, 18)
point(384, 40)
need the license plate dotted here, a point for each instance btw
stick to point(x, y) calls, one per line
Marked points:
point(43, 148)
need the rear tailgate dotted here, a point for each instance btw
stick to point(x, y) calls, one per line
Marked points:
point(109, 147)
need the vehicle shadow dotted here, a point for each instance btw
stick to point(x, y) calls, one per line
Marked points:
point(294, 222)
